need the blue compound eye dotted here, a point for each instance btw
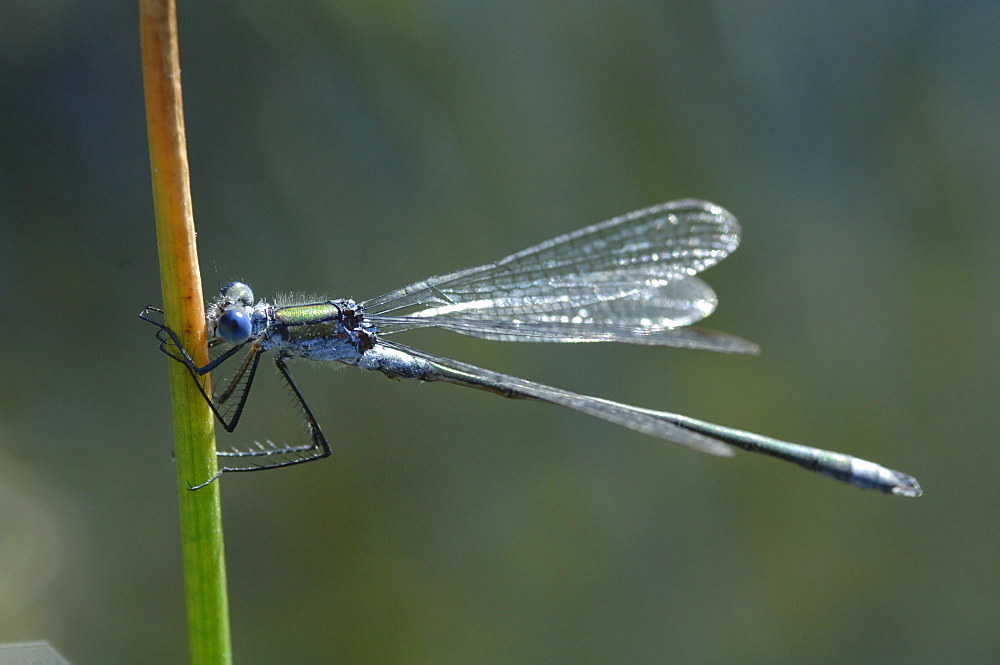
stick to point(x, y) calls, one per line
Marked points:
point(234, 326)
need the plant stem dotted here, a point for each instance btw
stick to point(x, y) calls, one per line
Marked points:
point(200, 512)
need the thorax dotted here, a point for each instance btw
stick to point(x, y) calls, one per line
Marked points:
point(330, 330)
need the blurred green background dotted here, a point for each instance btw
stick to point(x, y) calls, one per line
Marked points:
point(353, 147)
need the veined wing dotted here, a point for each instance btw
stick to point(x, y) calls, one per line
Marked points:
point(646, 248)
point(628, 279)
point(563, 332)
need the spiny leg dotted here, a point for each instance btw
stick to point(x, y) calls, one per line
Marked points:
point(247, 369)
point(184, 358)
point(243, 377)
point(318, 447)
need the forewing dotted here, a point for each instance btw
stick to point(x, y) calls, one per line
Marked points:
point(636, 267)
point(628, 279)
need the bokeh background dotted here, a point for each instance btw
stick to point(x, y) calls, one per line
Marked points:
point(352, 147)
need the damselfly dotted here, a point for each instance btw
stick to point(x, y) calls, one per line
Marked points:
point(629, 279)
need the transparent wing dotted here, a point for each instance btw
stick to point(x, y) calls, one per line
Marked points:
point(628, 279)
point(530, 331)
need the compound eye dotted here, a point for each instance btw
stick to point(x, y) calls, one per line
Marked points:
point(234, 326)
point(237, 293)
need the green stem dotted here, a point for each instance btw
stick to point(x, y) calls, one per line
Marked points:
point(194, 433)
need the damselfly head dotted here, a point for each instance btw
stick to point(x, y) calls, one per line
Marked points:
point(228, 318)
